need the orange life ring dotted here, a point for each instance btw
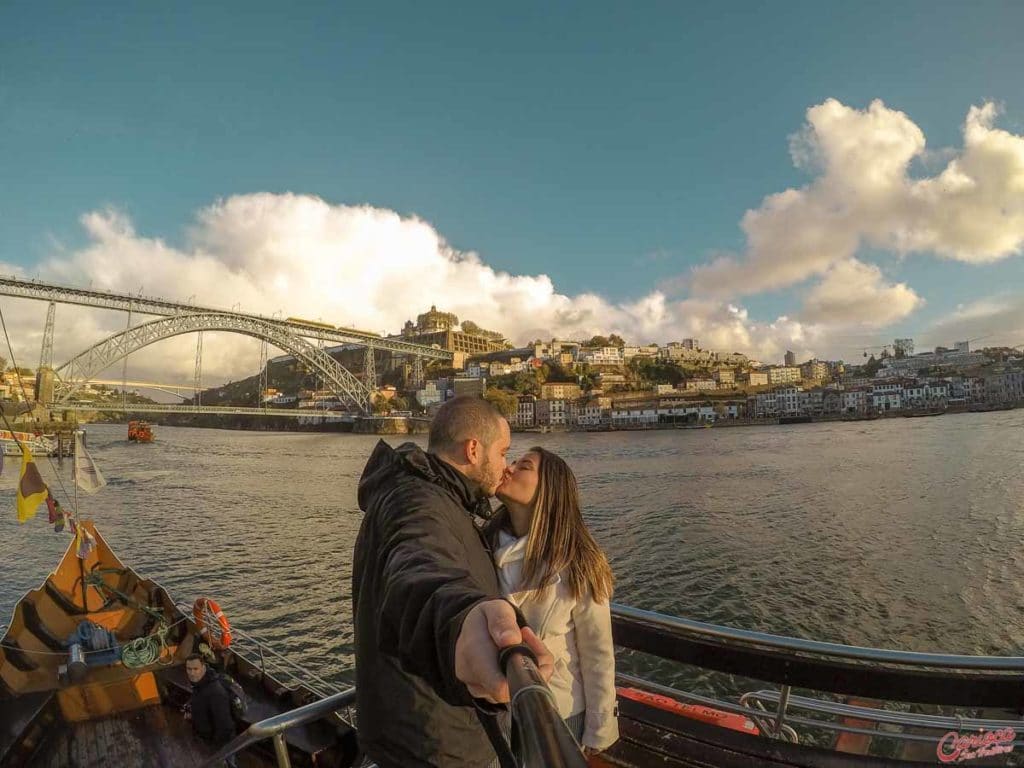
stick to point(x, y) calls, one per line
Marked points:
point(200, 608)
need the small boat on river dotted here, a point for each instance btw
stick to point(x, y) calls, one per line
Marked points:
point(75, 695)
point(140, 432)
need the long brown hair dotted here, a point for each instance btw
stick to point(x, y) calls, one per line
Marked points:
point(558, 540)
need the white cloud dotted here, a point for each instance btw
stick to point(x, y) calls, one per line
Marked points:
point(854, 293)
point(863, 195)
point(348, 265)
point(993, 321)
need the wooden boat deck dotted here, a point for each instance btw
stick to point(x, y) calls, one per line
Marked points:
point(154, 737)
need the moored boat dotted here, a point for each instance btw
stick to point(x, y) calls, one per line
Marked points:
point(40, 445)
point(796, 419)
point(919, 412)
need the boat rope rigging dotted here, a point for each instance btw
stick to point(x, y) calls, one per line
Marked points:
point(24, 394)
point(32, 652)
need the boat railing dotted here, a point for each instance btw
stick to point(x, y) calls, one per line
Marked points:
point(277, 726)
point(283, 668)
point(853, 718)
point(907, 677)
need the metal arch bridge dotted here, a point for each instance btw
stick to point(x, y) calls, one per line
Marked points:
point(101, 356)
point(181, 317)
point(216, 410)
point(148, 305)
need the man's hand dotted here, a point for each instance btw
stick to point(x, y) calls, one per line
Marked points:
point(488, 627)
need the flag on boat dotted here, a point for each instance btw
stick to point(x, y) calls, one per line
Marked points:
point(87, 474)
point(85, 543)
point(32, 491)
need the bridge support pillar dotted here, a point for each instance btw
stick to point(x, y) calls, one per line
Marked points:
point(370, 368)
point(416, 380)
point(44, 384)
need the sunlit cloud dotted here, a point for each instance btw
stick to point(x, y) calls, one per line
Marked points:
point(864, 196)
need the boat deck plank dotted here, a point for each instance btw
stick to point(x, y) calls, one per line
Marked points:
point(154, 737)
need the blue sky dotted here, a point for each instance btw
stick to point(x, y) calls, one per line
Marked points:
point(612, 147)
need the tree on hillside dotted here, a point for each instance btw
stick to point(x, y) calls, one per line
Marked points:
point(616, 341)
point(598, 341)
point(505, 402)
point(521, 383)
point(655, 371)
point(872, 366)
point(556, 373)
point(385, 405)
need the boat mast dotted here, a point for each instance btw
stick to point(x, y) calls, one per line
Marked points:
point(78, 521)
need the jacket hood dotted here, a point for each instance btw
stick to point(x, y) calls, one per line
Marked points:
point(386, 465)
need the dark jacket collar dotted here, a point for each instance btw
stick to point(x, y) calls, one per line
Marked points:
point(386, 463)
point(207, 679)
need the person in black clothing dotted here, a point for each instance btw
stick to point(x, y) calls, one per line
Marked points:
point(210, 709)
point(429, 619)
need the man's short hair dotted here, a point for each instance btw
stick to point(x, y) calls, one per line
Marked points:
point(463, 418)
point(195, 657)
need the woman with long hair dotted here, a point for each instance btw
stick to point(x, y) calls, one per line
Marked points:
point(550, 566)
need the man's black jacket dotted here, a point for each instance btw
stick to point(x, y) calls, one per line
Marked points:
point(211, 710)
point(420, 565)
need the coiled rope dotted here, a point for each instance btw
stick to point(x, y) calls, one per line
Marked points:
point(148, 649)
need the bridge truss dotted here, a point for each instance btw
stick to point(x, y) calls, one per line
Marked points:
point(148, 305)
point(101, 356)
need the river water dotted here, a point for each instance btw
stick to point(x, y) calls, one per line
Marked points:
point(898, 533)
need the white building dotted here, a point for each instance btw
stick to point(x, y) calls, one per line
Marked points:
point(887, 396)
point(758, 378)
point(726, 376)
point(783, 374)
point(430, 395)
point(1005, 387)
point(602, 356)
point(590, 415)
point(855, 401)
point(552, 413)
point(634, 417)
point(766, 405)
point(700, 385)
point(628, 353)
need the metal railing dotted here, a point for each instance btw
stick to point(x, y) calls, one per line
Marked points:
point(756, 700)
point(908, 676)
point(281, 667)
point(886, 675)
point(745, 637)
point(275, 728)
